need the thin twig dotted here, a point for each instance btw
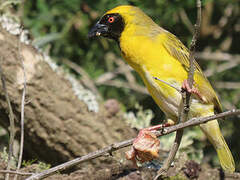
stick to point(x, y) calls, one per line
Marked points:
point(123, 144)
point(122, 84)
point(222, 67)
point(16, 172)
point(227, 85)
point(185, 20)
point(217, 56)
point(234, 175)
point(22, 107)
point(125, 71)
point(11, 118)
point(193, 43)
point(86, 79)
point(186, 97)
point(111, 75)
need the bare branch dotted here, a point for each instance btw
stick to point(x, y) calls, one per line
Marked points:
point(193, 44)
point(222, 67)
point(111, 75)
point(16, 172)
point(86, 79)
point(227, 85)
point(11, 118)
point(185, 20)
point(217, 56)
point(123, 144)
point(125, 70)
point(122, 84)
point(22, 107)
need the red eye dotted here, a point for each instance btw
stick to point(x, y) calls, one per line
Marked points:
point(111, 19)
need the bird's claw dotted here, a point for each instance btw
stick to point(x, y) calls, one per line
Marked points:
point(193, 90)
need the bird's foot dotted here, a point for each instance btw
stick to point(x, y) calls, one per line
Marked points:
point(193, 90)
point(146, 146)
point(151, 130)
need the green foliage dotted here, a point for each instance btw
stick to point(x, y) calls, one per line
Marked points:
point(42, 166)
point(176, 177)
point(28, 162)
point(4, 157)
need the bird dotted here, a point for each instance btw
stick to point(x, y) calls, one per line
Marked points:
point(152, 52)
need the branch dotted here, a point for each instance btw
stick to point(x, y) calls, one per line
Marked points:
point(186, 20)
point(16, 172)
point(122, 84)
point(123, 144)
point(233, 61)
point(11, 118)
point(86, 79)
point(227, 85)
point(222, 67)
point(125, 70)
point(193, 44)
point(217, 56)
point(22, 106)
point(111, 75)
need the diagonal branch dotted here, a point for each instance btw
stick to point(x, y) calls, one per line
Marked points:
point(22, 107)
point(11, 118)
point(86, 79)
point(123, 144)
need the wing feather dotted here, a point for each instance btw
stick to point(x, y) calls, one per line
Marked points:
point(176, 49)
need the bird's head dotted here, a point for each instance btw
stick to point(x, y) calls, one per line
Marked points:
point(117, 20)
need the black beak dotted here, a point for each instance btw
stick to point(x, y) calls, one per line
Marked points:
point(98, 30)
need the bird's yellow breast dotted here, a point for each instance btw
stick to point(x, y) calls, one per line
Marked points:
point(150, 59)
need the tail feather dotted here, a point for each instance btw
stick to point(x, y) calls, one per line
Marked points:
point(225, 158)
point(212, 131)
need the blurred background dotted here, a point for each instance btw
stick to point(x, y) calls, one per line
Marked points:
point(60, 28)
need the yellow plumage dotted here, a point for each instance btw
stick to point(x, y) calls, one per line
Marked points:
point(155, 52)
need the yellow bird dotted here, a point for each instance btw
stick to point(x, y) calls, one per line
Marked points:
point(154, 52)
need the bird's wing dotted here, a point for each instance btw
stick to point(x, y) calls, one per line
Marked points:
point(176, 49)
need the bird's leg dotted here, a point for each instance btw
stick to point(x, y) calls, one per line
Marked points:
point(193, 90)
point(151, 129)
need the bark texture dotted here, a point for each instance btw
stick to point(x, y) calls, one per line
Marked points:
point(58, 126)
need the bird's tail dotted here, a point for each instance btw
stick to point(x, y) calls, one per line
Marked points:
point(212, 131)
